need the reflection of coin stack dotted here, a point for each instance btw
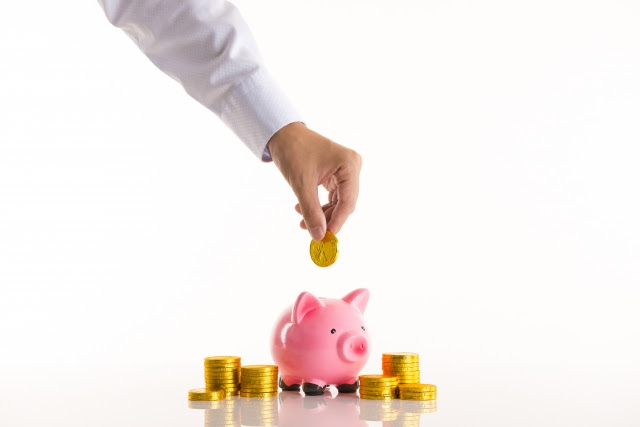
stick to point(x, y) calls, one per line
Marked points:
point(222, 372)
point(259, 412)
point(378, 387)
point(378, 411)
point(259, 381)
point(409, 412)
point(405, 419)
point(417, 391)
point(214, 404)
point(226, 415)
point(418, 406)
point(405, 366)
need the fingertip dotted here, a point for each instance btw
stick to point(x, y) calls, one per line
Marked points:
point(334, 226)
point(317, 233)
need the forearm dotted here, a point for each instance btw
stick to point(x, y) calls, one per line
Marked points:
point(207, 47)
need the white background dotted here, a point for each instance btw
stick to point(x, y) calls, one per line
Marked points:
point(497, 224)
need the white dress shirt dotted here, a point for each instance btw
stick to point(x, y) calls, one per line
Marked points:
point(207, 47)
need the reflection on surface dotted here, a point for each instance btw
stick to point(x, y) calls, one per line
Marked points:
point(293, 409)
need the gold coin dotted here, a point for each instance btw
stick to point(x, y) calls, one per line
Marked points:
point(223, 376)
point(259, 394)
point(325, 252)
point(222, 368)
point(415, 393)
point(262, 377)
point(260, 368)
point(401, 365)
point(227, 387)
point(392, 386)
point(248, 386)
point(411, 380)
point(400, 361)
point(419, 397)
point(203, 394)
point(377, 393)
point(417, 388)
point(378, 379)
point(259, 390)
point(259, 380)
point(391, 389)
point(222, 372)
point(401, 356)
point(265, 387)
point(270, 377)
point(402, 378)
point(222, 359)
point(399, 368)
point(409, 393)
point(222, 381)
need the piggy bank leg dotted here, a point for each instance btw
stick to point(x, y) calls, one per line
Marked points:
point(349, 388)
point(295, 384)
point(311, 389)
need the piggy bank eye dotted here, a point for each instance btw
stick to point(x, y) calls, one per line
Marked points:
point(362, 327)
point(333, 331)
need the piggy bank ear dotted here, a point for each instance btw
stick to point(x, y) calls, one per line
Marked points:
point(304, 304)
point(358, 298)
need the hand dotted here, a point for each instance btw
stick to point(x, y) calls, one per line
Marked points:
point(308, 160)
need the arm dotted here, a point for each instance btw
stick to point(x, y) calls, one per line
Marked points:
point(206, 46)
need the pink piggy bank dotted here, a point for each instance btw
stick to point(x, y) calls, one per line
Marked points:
point(321, 341)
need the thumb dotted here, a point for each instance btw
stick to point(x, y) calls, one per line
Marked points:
point(311, 211)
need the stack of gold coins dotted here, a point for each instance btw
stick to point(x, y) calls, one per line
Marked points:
point(417, 391)
point(405, 366)
point(259, 381)
point(222, 372)
point(227, 415)
point(203, 394)
point(259, 412)
point(378, 387)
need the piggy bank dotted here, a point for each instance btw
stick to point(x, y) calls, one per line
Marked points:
point(319, 342)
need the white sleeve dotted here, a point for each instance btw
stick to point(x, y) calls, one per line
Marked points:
point(208, 48)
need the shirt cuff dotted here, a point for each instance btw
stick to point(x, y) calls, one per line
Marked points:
point(256, 109)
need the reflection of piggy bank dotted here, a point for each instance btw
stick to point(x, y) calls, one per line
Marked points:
point(322, 341)
point(319, 411)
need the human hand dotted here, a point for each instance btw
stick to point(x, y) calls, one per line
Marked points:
point(307, 160)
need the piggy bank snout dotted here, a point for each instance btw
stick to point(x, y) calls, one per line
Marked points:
point(353, 347)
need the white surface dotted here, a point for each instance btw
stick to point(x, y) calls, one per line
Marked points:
point(497, 226)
